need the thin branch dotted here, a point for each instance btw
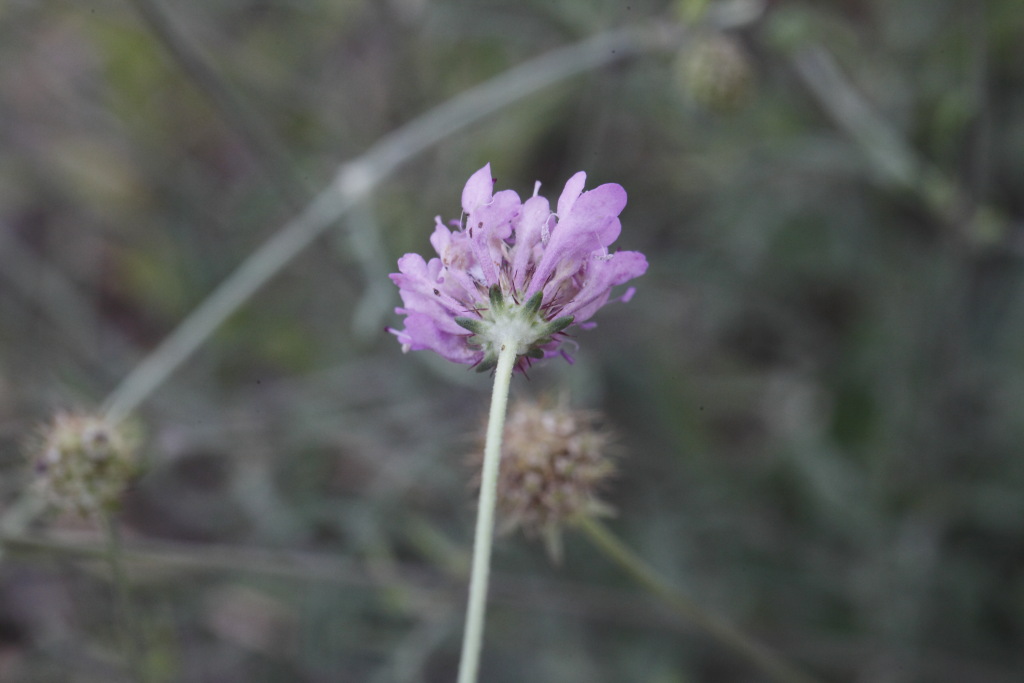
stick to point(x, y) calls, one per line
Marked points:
point(238, 115)
point(895, 163)
point(764, 658)
point(58, 299)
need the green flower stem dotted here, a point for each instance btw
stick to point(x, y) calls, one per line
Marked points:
point(127, 623)
point(17, 517)
point(472, 639)
point(728, 635)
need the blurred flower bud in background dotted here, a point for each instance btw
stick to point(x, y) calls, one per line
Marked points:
point(713, 70)
point(83, 463)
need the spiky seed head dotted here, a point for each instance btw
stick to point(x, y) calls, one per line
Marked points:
point(554, 462)
point(83, 463)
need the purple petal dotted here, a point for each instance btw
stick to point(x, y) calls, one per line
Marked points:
point(571, 193)
point(412, 269)
point(459, 261)
point(441, 238)
point(488, 226)
point(421, 332)
point(602, 275)
point(424, 291)
point(432, 307)
point(611, 197)
point(590, 213)
point(591, 224)
point(478, 189)
point(562, 260)
point(495, 217)
point(535, 216)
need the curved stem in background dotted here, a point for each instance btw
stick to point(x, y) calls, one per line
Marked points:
point(356, 180)
point(17, 517)
point(728, 635)
point(894, 163)
point(239, 116)
point(59, 299)
point(125, 617)
point(472, 640)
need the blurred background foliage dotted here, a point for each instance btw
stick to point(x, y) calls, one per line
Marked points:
point(817, 388)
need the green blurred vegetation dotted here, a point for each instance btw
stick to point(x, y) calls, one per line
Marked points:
point(818, 387)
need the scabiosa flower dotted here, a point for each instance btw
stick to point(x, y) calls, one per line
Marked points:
point(554, 463)
point(514, 272)
point(83, 463)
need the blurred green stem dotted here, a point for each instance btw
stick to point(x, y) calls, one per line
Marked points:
point(61, 300)
point(894, 163)
point(728, 635)
point(125, 610)
point(17, 517)
point(472, 640)
point(240, 117)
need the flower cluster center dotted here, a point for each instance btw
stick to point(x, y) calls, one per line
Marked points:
point(505, 322)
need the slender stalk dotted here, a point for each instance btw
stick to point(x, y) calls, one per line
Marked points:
point(472, 639)
point(46, 288)
point(127, 623)
point(893, 161)
point(725, 633)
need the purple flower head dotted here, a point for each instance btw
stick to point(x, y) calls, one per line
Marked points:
point(514, 272)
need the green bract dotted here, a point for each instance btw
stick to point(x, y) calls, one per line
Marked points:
point(508, 322)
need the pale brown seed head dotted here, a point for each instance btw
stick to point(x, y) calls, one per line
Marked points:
point(554, 462)
point(83, 463)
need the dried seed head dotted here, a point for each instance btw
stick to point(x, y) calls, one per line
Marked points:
point(554, 461)
point(715, 71)
point(83, 463)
